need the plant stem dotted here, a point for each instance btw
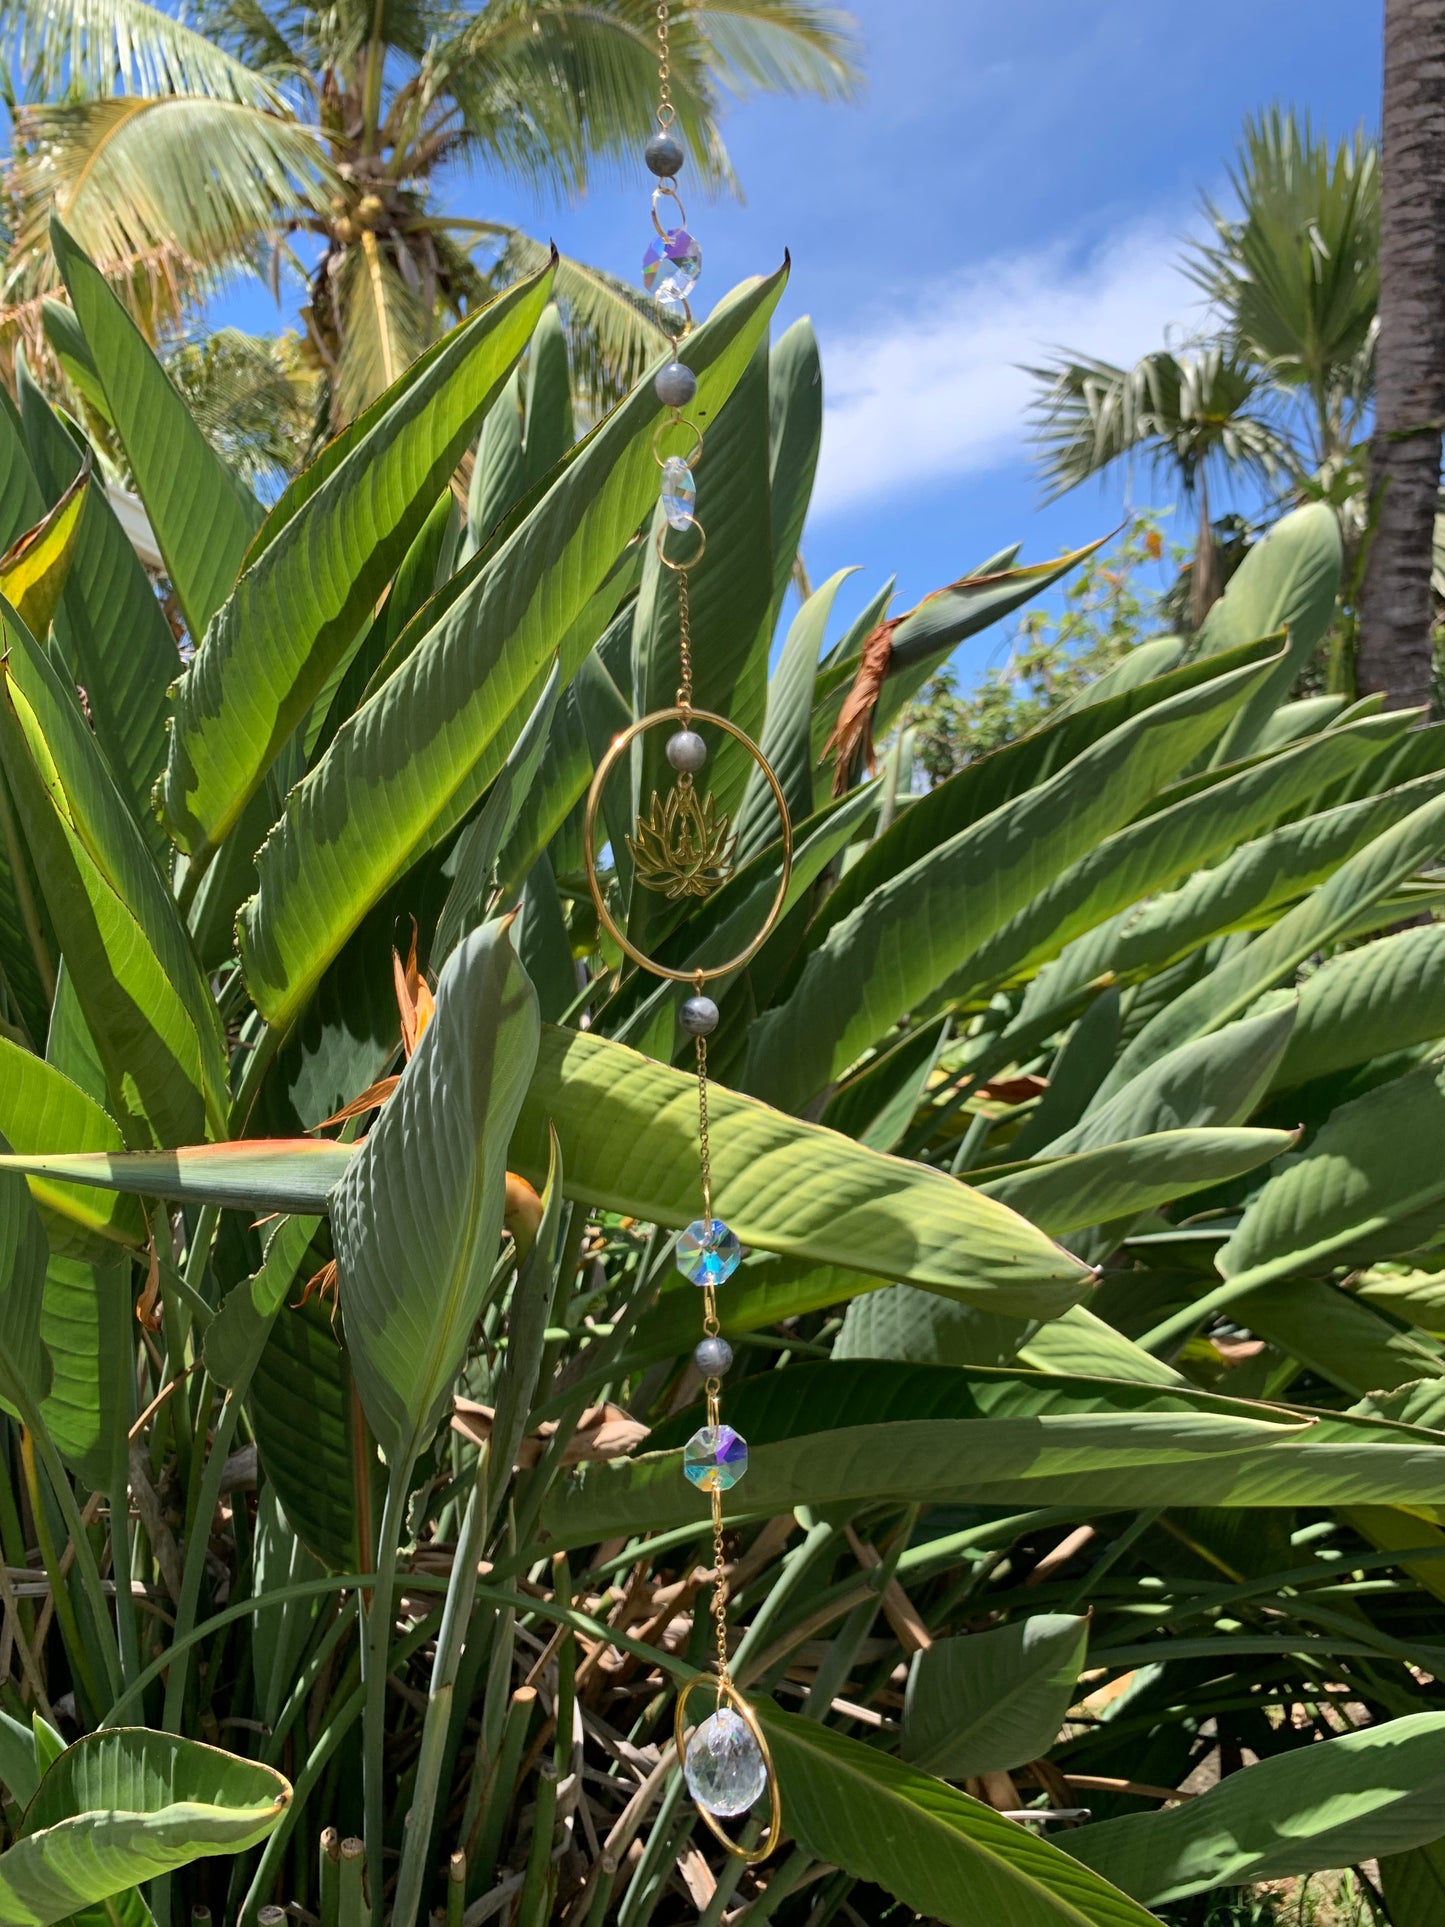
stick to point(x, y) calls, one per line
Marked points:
point(24, 896)
point(59, 1586)
point(375, 1648)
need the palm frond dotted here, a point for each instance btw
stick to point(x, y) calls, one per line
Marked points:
point(102, 48)
point(1295, 274)
point(1176, 411)
point(254, 398)
point(258, 35)
point(781, 46)
point(198, 182)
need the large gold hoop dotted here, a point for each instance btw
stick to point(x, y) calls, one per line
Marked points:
point(725, 1690)
point(617, 748)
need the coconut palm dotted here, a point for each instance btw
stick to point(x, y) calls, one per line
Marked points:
point(178, 156)
point(1184, 415)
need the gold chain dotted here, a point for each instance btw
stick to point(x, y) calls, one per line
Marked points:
point(684, 647)
point(665, 111)
point(704, 1154)
point(720, 1595)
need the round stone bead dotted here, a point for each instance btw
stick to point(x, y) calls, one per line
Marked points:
point(663, 154)
point(713, 1357)
point(699, 1016)
point(715, 1458)
point(675, 384)
point(686, 750)
point(723, 1765)
point(708, 1254)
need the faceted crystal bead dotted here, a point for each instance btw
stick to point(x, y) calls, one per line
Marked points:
point(672, 264)
point(723, 1765)
point(708, 1253)
point(715, 1458)
point(679, 493)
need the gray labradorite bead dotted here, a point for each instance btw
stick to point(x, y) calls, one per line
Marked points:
point(663, 154)
point(699, 1016)
point(712, 1356)
point(675, 385)
point(686, 750)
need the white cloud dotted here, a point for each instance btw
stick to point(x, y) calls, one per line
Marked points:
point(934, 389)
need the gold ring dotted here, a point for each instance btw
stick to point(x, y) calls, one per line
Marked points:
point(682, 568)
point(727, 1691)
point(694, 455)
point(666, 193)
point(687, 717)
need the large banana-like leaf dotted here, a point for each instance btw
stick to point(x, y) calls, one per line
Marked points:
point(25, 1374)
point(795, 435)
point(1370, 1183)
point(418, 1216)
point(1338, 1336)
point(1138, 1174)
point(87, 1325)
point(912, 933)
point(1367, 1003)
point(1288, 581)
point(988, 1701)
point(33, 569)
point(1310, 926)
point(202, 516)
point(42, 1111)
point(145, 1002)
point(1189, 1457)
point(628, 1134)
point(319, 567)
point(127, 1805)
point(249, 1174)
point(1413, 1884)
point(110, 626)
point(946, 1856)
point(1330, 1805)
point(414, 758)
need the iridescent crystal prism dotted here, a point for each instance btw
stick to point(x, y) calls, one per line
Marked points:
point(723, 1764)
point(672, 264)
point(679, 493)
point(708, 1253)
point(715, 1458)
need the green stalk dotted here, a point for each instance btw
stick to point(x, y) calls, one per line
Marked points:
point(534, 1906)
point(456, 1890)
point(494, 1714)
point(497, 1801)
point(375, 1648)
point(33, 1438)
point(352, 1895)
point(328, 1866)
point(461, 1592)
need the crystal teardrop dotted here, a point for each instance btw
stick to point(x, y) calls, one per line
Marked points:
point(723, 1765)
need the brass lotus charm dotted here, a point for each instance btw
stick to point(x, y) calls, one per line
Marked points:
point(682, 846)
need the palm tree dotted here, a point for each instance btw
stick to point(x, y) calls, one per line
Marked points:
point(1395, 608)
point(177, 157)
point(1183, 414)
point(1277, 389)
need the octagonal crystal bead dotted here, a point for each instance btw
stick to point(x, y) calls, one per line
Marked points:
point(708, 1253)
point(715, 1458)
point(672, 264)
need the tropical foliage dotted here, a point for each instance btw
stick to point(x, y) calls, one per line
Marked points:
point(1081, 1118)
point(327, 132)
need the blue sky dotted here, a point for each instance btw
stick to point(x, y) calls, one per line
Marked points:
point(1012, 177)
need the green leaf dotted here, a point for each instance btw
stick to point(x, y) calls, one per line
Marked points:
point(202, 515)
point(110, 626)
point(992, 1700)
point(914, 930)
point(412, 761)
point(1228, 991)
point(628, 1133)
point(947, 1857)
point(250, 1174)
point(417, 1217)
point(1339, 1337)
point(1371, 1183)
point(1413, 1884)
point(33, 569)
point(1288, 581)
point(42, 1111)
point(25, 1375)
point(301, 1403)
point(128, 1805)
point(87, 1325)
point(549, 431)
point(147, 1006)
point(795, 434)
point(320, 563)
point(1329, 1805)
point(1380, 998)
point(1136, 1174)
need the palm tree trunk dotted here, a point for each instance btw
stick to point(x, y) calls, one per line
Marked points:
point(1395, 614)
point(1206, 587)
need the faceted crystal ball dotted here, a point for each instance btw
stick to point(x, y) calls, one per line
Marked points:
point(715, 1458)
point(679, 493)
point(723, 1765)
point(708, 1253)
point(672, 264)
